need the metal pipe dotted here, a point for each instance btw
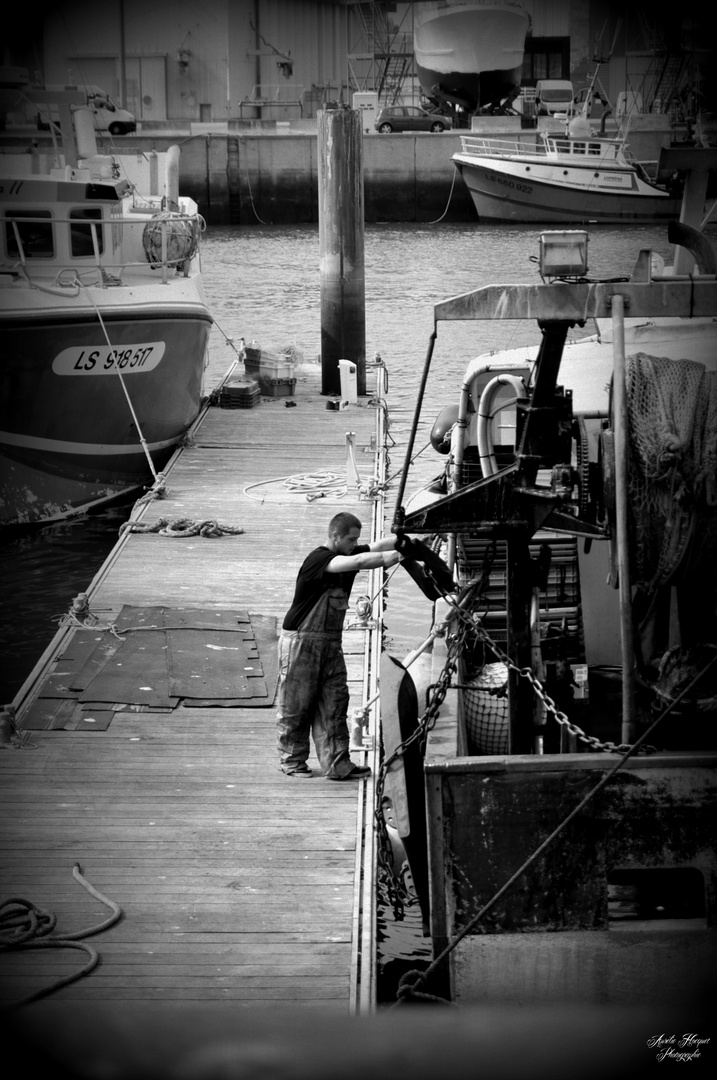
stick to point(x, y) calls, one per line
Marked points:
point(622, 527)
point(399, 514)
point(172, 177)
point(488, 464)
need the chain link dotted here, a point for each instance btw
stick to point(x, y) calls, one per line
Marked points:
point(562, 718)
point(398, 894)
point(468, 623)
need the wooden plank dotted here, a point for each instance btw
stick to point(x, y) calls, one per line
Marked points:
point(236, 883)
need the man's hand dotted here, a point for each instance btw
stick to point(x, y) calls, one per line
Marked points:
point(406, 546)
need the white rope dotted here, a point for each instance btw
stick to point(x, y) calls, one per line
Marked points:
point(311, 485)
point(142, 439)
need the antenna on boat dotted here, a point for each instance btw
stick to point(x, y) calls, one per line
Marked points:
point(598, 59)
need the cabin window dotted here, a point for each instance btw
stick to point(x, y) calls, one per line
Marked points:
point(656, 895)
point(81, 234)
point(33, 229)
point(578, 147)
point(593, 148)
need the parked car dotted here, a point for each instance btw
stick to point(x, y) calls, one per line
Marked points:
point(410, 118)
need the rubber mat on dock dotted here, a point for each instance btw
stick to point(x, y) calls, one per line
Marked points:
point(160, 658)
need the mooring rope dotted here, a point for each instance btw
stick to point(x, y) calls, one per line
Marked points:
point(142, 439)
point(25, 926)
point(450, 196)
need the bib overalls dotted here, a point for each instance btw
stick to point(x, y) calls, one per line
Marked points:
point(313, 695)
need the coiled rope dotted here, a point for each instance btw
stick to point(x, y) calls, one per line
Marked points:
point(182, 527)
point(25, 926)
point(318, 485)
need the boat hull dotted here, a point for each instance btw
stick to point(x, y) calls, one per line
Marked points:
point(500, 195)
point(469, 53)
point(68, 434)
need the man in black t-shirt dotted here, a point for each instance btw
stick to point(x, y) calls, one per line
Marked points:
point(313, 695)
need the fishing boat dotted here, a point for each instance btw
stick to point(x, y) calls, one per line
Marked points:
point(544, 177)
point(577, 176)
point(568, 772)
point(103, 321)
point(469, 54)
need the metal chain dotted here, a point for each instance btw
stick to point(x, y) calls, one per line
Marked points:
point(562, 718)
point(467, 623)
point(398, 894)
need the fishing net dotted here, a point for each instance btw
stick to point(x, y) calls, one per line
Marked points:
point(679, 667)
point(485, 706)
point(672, 418)
point(181, 233)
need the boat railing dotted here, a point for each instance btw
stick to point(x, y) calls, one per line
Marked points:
point(489, 146)
point(545, 145)
point(162, 244)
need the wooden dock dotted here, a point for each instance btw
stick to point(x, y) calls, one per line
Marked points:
point(236, 883)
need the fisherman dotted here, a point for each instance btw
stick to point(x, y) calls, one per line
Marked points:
point(313, 695)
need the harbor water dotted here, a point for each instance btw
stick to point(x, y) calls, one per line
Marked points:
point(263, 284)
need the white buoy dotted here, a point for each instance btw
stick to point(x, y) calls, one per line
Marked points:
point(84, 121)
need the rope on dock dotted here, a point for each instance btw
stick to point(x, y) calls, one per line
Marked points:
point(158, 490)
point(182, 527)
point(25, 926)
point(312, 486)
point(11, 736)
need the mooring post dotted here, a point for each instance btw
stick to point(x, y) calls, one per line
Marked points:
point(341, 243)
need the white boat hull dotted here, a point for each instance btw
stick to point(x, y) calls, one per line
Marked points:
point(537, 192)
point(470, 53)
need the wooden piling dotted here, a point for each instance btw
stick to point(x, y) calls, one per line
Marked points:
point(341, 242)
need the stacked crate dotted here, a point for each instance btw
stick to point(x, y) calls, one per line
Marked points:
point(274, 372)
point(239, 393)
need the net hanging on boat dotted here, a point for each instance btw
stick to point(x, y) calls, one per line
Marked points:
point(181, 238)
point(672, 421)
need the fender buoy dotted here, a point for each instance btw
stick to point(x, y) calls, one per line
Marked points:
point(441, 430)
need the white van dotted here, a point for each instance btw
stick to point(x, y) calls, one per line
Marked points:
point(108, 116)
point(554, 96)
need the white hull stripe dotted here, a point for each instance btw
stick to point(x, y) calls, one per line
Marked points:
point(57, 446)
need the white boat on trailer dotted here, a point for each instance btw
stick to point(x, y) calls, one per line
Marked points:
point(103, 322)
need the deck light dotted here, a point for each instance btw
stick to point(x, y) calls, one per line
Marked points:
point(563, 254)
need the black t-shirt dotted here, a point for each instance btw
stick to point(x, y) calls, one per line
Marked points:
point(313, 580)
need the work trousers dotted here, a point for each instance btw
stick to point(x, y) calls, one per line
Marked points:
point(313, 699)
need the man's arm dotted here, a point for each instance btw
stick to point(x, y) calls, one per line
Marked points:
point(386, 543)
point(366, 560)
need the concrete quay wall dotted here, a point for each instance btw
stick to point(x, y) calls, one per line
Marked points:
point(254, 175)
point(250, 179)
